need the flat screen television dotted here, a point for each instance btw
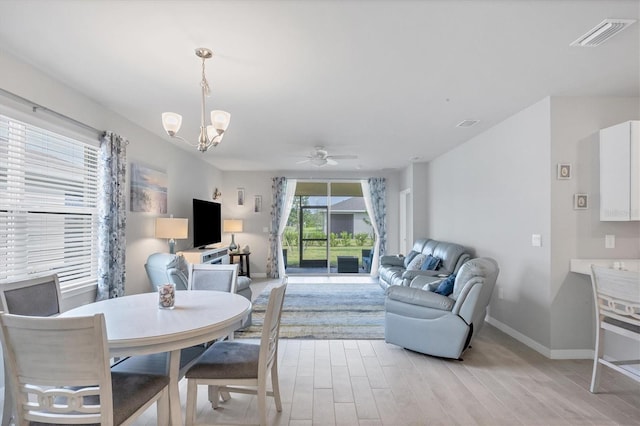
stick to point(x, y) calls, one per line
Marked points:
point(207, 223)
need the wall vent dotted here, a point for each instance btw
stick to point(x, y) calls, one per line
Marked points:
point(467, 123)
point(602, 32)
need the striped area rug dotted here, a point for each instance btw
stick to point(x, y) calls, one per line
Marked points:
point(324, 311)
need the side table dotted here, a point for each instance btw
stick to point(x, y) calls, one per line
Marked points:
point(243, 260)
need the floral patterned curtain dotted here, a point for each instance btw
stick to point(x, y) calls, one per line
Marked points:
point(112, 164)
point(283, 191)
point(374, 191)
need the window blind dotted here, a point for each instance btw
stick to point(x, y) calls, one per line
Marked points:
point(48, 205)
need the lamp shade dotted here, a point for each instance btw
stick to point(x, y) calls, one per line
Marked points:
point(232, 225)
point(169, 227)
point(171, 122)
point(220, 119)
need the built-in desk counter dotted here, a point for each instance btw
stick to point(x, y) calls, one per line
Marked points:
point(583, 266)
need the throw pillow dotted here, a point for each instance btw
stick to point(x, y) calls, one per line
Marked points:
point(445, 287)
point(417, 262)
point(408, 258)
point(431, 263)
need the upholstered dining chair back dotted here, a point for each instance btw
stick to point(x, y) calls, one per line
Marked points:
point(39, 297)
point(217, 277)
point(60, 369)
point(617, 300)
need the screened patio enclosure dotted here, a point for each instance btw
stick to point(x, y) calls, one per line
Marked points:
point(328, 230)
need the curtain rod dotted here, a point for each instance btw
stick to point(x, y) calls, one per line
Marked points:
point(35, 107)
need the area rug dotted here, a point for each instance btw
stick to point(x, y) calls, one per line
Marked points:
point(324, 311)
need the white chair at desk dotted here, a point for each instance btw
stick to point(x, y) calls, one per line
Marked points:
point(617, 299)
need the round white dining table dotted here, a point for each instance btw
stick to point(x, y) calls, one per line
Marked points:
point(137, 326)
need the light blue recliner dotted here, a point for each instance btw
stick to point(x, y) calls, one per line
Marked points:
point(165, 268)
point(433, 324)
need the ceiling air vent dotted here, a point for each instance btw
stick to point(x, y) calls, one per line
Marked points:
point(602, 32)
point(467, 123)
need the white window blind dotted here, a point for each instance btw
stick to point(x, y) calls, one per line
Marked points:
point(48, 205)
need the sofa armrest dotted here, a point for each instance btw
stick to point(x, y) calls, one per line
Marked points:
point(423, 280)
point(416, 296)
point(392, 260)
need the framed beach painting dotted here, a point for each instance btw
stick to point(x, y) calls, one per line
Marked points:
point(148, 190)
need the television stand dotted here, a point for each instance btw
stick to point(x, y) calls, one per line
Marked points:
point(212, 255)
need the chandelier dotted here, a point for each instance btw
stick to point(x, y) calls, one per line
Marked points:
point(210, 135)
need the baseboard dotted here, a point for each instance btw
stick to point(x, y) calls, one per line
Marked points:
point(541, 349)
point(519, 337)
point(572, 354)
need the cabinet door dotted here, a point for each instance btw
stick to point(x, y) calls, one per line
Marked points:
point(619, 172)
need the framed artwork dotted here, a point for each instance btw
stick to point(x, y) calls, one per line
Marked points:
point(580, 201)
point(257, 204)
point(564, 171)
point(241, 196)
point(148, 190)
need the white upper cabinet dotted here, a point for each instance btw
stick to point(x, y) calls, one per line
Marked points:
point(620, 172)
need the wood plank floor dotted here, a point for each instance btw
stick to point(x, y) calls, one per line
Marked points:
point(369, 382)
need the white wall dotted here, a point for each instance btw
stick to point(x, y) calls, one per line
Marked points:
point(493, 192)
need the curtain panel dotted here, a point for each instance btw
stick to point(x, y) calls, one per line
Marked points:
point(112, 216)
point(374, 191)
point(283, 191)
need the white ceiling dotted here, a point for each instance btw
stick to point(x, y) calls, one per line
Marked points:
point(387, 80)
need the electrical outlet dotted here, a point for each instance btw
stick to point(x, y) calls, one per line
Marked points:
point(609, 241)
point(536, 240)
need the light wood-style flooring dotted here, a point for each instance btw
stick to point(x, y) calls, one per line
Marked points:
point(369, 382)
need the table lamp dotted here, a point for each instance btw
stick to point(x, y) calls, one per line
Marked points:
point(232, 225)
point(172, 228)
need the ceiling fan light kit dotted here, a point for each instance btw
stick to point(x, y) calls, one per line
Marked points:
point(210, 135)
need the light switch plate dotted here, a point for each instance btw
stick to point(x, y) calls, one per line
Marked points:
point(536, 240)
point(609, 241)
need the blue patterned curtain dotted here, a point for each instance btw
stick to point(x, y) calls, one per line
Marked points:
point(278, 190)
point(283, 192)
point(375, 193)
point(112, 213)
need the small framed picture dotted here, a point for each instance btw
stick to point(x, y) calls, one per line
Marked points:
point(564, 171)
point(241, 196)
point(580, 201)
point(257, 204)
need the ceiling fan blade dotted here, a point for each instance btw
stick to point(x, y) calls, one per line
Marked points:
point(343, 157)
point(331, 161)
point(303, 161)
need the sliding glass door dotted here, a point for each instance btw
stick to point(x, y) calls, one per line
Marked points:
point(329, 230)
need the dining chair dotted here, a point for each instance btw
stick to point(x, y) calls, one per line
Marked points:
point(617, 302)
point(229, 364)
point(38, 297)
point(60, 369)
point(217, 277)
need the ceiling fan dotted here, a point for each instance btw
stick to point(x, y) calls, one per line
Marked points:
point(320, 157)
